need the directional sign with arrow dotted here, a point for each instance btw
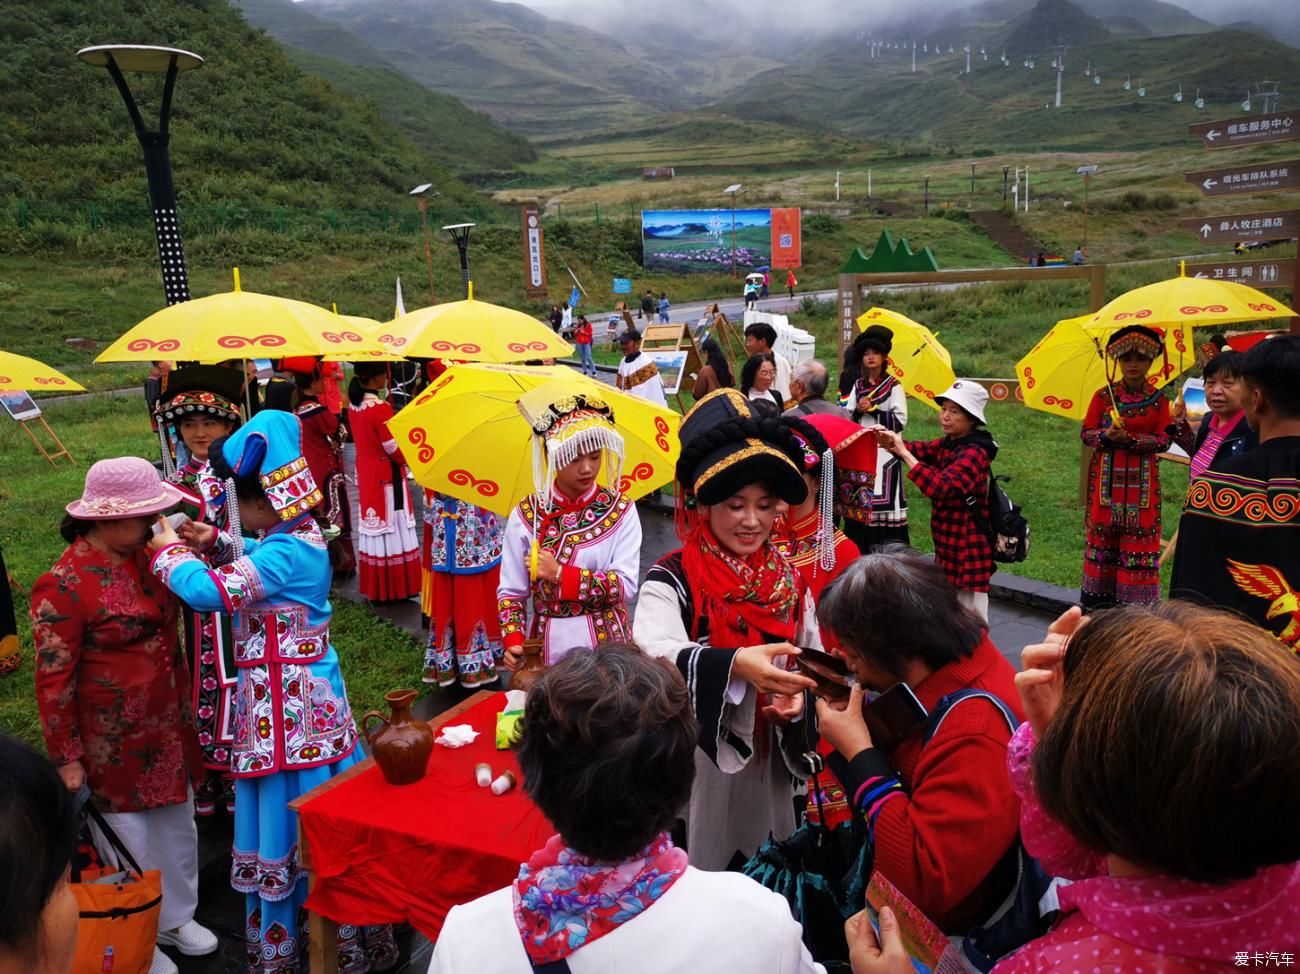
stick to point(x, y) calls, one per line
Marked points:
point(1232, 133)
point(1256, 273)
point(1274, 225)
point(1244, 178)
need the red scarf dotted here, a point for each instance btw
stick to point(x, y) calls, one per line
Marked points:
point(746, 600)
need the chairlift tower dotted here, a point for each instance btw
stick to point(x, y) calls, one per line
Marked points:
point(1060, 71)
point(1269, 96)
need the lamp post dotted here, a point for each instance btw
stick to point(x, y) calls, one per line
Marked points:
point(927, 195)
point(170, 62)
point(734, 190)
point(422, 197)
point(1085, 172)
point(460, 234)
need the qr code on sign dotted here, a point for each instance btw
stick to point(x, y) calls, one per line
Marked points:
point(787, 240)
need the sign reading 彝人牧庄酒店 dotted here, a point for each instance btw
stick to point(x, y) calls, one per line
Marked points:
point(1273, 225)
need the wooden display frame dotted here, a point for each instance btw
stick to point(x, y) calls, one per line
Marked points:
point(674, 338)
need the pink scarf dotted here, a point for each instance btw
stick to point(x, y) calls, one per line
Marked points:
point(1219, 429)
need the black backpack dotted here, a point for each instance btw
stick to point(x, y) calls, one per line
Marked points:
point(1006, 527)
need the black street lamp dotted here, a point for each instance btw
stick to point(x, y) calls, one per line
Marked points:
point(460, 233)
point(168, 61)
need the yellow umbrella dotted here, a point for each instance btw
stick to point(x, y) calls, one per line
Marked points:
point(464, 435)
point(367, 328)
point(917, 359)
point(472, 331)
point(238, 325)
point(1189, 301)
point(18, 373)
point(1060, 374)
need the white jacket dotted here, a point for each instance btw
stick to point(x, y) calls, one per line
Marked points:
point(706, 922)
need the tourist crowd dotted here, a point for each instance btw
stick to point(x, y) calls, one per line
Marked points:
point(794, 665)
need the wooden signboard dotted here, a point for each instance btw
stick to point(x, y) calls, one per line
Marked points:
point(1255, 273)
point(1271, 225)
point(1257, 177)
point(534, 257)
point(1232, 133)
point(673, 348)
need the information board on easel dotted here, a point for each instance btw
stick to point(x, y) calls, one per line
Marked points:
point(674, 351)
point(22, 409)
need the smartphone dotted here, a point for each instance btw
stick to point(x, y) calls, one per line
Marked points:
point(829, 672)
point(893, 715)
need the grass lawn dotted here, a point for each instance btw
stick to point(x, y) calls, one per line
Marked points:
point(376, 656)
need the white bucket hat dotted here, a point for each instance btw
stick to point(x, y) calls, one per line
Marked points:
point(970, 396)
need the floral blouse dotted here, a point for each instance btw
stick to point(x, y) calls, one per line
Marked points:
point(111, 680)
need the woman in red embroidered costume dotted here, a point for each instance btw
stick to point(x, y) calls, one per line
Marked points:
point(574, 546)
point(389, 551)
point(113, 689)
point(728, 608)
point(1126, 426)
point(806, 533)
point(876, 514)
point(202, 404)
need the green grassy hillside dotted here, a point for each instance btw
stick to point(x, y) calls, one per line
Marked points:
point(465, 141)
point(536, 75)
point(1005, 107)
point(249, 127)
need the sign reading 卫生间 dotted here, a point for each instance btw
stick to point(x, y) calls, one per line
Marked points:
point(685, 241)
point(1256, 273)
point(534, 257)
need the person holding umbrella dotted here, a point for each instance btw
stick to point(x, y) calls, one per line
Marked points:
point(573, 546)
point(1126, 426)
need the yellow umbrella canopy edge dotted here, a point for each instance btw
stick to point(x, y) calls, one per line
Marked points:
point(485, 457)
point(1194, 301)
point(20, 373)
point(499, 334)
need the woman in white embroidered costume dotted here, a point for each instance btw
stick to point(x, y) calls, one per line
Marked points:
point(293, 726)
point(388, 550)
point(574, 546)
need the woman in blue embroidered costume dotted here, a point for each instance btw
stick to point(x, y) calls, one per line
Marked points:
point(574, 546)
point(1126, 426)
point(293, 726)
point(875, 510)
point(201, 402)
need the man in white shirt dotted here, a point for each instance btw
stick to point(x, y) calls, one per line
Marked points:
point(760, 337)
point(638, 375)
point(566, 319)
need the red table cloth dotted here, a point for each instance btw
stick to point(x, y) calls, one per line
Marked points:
point(384, 853)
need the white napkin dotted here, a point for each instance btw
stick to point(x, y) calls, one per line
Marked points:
point(514, 701)
point(457, 735)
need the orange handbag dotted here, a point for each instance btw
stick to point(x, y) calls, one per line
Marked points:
point(119, 911)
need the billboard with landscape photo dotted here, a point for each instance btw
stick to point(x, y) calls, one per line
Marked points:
point(691, 241)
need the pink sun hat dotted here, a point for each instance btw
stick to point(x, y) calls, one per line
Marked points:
point(123, 487)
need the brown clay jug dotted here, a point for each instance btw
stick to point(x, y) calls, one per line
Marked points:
point(401, 744)
point(530, 666)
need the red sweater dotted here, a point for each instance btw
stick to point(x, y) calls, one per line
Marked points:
point(943, 815)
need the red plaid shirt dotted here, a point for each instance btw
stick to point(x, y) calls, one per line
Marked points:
point(948, 472)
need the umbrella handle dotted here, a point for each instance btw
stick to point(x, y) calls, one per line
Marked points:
point(533, 552)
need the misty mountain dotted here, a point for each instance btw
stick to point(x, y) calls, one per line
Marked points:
point(463, 140)
point(1053, 22)
point(536, 75)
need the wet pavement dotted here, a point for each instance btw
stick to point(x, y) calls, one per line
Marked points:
point(1011, 627)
